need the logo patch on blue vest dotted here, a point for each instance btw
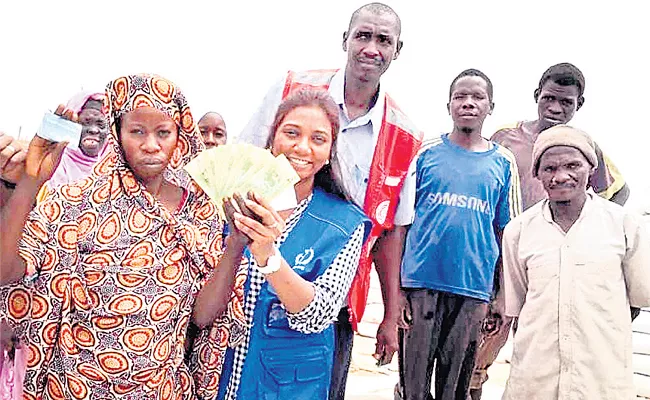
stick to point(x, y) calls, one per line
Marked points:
point(303, 259)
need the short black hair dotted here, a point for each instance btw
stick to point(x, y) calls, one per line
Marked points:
point(376, 8)
point(212, 113)
point(473, 72)
point(564, 74)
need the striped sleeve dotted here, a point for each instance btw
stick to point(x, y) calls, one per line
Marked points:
point(406, 207)
point(514, 193)
point(607, 179)
point(429, 143)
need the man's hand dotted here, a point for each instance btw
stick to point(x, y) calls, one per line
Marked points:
point(493, 322)
point(387, 255)
point(387, 340)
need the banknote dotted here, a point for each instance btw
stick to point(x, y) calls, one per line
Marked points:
point(57, 129)
point(273, 179)
point(241, 168)
point(285, 200)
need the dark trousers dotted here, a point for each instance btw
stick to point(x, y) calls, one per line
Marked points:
point(445, 331)
point(343, 338)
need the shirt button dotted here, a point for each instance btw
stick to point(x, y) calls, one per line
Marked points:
point(365, 180)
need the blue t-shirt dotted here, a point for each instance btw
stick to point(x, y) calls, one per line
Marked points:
point(461, 197)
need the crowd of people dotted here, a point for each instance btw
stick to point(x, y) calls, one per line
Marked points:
point(120, 278)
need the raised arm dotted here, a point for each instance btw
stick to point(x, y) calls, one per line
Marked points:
point(12, 165)
point(263, 228)
point(213, 298)
point(330, 289)
point(41, 161)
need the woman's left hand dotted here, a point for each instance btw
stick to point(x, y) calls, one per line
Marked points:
point(264, 233)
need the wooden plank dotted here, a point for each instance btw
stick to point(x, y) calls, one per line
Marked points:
point(640, 343)
point(642, 323)
point(642, 384)
point(641, 364)
point(641, 356)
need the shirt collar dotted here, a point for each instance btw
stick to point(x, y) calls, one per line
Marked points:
point(337, 86)
point(375, 114)
point(546, 209)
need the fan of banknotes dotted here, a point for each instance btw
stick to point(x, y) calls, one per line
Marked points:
point(224, 170)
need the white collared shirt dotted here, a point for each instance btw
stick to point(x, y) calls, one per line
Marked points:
point(571, 292)
point(355, 143)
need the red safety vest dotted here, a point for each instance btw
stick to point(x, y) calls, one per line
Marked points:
point(397, 145)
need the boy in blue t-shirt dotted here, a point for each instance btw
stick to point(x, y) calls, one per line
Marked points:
point(467, 189)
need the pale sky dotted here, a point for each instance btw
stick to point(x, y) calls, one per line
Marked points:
point(225, 55)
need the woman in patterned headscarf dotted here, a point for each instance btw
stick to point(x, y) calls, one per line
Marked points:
point(117, 258)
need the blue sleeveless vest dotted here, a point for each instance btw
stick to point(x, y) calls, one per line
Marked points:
point(282, 363)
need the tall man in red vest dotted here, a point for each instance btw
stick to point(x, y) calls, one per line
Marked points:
point(376, 144)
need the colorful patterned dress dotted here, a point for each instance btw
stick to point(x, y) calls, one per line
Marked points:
point(105, 314)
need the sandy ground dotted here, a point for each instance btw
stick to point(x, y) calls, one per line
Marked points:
point(369, 382)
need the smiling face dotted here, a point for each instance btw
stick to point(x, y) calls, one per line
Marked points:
point(305, 137)
point(148, 138)
point(564, 172)
point(94, 128)
point(470, 103)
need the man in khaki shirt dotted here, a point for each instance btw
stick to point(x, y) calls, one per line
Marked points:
point(573, 265)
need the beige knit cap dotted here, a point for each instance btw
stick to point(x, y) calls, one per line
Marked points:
point(564, 135)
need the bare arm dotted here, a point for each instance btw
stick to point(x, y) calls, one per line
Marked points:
point(294, 292)
point(35, 167)
point(331, 288)
point(213, 298)
point(262, 227)
point(12, 167)
point(318, 302)
point(12, 219)
point(497, 292)
point(496, 311)
point(387, 255)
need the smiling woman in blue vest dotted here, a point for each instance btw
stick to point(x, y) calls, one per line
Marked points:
point(301, 265)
